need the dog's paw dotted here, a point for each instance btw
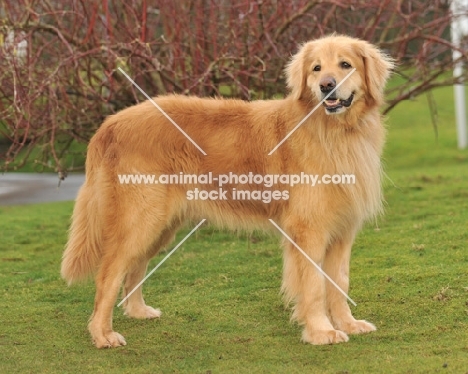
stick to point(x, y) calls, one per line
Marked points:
point(109, 340)
point(143, 312)
point(357, 327)
point(321, 337)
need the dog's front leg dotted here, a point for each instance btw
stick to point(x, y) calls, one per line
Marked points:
point(336, 265)
point(305, 286)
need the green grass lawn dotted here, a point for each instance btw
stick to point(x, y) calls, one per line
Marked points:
point(220, 292)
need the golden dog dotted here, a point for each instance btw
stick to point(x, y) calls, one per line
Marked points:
point(117, 228)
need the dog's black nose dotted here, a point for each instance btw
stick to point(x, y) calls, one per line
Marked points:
point(327, 84)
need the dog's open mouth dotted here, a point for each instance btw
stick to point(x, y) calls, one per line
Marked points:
point(332, 104)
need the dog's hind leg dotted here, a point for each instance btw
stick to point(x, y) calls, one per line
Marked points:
point(135, 306)
point(127, 241)
point(108, 281)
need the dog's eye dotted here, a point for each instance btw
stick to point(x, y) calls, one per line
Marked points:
point(317, 68)
point(345, 65)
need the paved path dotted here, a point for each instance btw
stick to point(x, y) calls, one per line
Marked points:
point(31, 188)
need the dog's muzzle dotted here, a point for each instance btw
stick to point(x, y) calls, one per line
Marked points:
point(333, 103)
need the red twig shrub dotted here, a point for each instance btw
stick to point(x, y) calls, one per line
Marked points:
point(57, 88)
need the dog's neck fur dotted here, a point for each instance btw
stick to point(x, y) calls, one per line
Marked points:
point(352, 143)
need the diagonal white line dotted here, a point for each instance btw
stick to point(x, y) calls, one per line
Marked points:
point(312, 262)
point(310, 113)
point(162, 261)
point(162, 111)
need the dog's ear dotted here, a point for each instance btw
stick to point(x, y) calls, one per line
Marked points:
point(378, 67)
point(296, 76)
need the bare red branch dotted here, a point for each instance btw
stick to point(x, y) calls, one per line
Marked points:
point(55, 92)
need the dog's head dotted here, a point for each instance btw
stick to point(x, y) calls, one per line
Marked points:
point(323, 66)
